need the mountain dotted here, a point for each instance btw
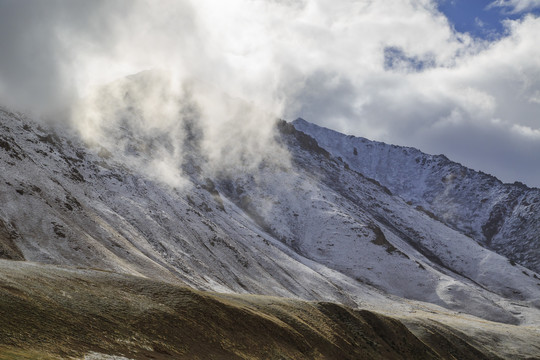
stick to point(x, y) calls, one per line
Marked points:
point(501, 217)
point(366, 243)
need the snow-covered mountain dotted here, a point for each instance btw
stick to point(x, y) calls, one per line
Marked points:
point(308, 229)
point(502, 217)
point(337, 219)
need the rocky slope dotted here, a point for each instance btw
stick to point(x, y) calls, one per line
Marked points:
point(502, 217)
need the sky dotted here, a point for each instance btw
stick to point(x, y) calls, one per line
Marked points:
point(484, 18)
point(453, 77)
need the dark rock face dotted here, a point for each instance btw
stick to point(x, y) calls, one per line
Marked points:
point(8, 248)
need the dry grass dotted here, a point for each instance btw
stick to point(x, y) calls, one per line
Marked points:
point(69, 313)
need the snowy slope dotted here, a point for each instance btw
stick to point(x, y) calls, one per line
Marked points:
point(309, 227)
point(336, 217)
point(503, 217)
point(64, 204)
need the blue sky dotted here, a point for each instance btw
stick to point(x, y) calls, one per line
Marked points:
point(481, 20)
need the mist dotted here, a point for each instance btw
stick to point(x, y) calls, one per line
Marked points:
point(391, 71)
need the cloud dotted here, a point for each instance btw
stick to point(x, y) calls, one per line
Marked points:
point(471, 110)
point(70, 54)
point(374, 73)
point(516, 6)
point(36, 66)
point(395, 71)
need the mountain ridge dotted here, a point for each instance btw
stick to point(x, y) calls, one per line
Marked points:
point(506, 212)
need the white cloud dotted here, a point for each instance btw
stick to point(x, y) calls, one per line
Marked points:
point(390, 70)
point(535, 98)
point(516, 6)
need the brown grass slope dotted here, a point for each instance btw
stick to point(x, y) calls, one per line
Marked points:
point(48, 312)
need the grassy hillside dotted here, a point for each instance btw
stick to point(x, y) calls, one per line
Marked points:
point(48, 312)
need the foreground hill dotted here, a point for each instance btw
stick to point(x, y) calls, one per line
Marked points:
point(50, 312)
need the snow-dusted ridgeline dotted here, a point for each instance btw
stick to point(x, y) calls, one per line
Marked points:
point(502, 217)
